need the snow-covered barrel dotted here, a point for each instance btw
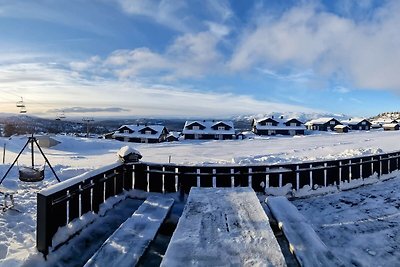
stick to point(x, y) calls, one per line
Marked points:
point(128, 154)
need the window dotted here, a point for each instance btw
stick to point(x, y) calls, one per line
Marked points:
point(332, 122)
point(221, 128)
point(147, 132)
point(268, 123)
point(293, 124)
point(196, 127)
point(126, 131)
point(363, 123)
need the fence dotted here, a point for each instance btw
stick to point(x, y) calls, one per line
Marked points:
point(68, 200)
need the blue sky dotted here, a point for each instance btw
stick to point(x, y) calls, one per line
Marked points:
point(199, 58)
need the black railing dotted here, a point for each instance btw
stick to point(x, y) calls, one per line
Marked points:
point(66, 201)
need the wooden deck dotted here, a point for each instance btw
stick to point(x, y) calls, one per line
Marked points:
point(223, 227)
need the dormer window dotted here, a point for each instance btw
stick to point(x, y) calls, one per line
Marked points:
point(221, 128)
point(196, 127)
point(126, 131)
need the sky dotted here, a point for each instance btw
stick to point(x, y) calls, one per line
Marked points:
point(199, 58)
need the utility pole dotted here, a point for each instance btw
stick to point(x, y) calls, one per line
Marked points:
point(87, 121)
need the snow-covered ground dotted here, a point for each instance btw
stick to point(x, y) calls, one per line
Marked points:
point(74, 156)
point(360, 226)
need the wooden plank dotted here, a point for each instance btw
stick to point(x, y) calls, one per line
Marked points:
point(223, 227)
point(128, 243)
point(304, 242)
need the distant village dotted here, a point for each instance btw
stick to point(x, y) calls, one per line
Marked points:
point(225, 129)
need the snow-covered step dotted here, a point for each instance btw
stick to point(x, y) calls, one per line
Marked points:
point(303, 240)
point(223, 227)
point(128, 243)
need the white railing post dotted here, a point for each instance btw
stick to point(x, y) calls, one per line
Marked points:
point(350, 174)
point(361, 170)
point(232, 178)
point(340, 173)
point(250, 177)
point(325, 174)
point(267, 178)
point(311, 177)
point(280, 177)
point(198, 177)
point(214, 179)
point(297, 178)
point(163, 180)
point(176, 179)
point(148, 178)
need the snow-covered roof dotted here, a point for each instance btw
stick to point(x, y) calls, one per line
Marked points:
point(208, 127)
point(281, 124)
point(390, 125)
point(383, 121)
point(340, 126)
point(353, 121)
point(319, 121)
point(136, 131)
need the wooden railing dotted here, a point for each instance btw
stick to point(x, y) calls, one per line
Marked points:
point(66, 201)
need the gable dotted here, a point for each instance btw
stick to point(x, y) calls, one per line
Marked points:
point(218, 124)
point(264, 121)
point(147, 128)
point(195, 123)
point(125, 128)
point(298, 123)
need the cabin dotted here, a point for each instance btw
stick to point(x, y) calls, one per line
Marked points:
point(141, 133)
point(322, 124)
point(340, 128)
point(391, 127)
point(207, 129)
point(376, 124)
point(358, 124)
point(173, 136)
point(274, 126)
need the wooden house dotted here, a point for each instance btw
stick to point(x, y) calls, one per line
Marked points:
point(358, 124)
point(206, 129)
point(376, 124)
point(173, 136)
point(391, 127)
point(274, 126)
point(341, 128)
point(322, 124)
point(141, 133)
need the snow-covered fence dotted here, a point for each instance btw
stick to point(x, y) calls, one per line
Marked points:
point(68, 200)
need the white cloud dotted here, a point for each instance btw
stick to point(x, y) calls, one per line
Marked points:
point(54, 88)
point(190, 55)
point(364, 53)
point(341, 89)
point(165, 12)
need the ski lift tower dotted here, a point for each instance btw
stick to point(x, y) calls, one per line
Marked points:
point(87, 121)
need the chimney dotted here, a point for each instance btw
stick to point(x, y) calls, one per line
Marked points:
point(281, 117)
point(272, 116)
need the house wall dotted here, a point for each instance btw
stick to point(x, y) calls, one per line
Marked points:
point(207, 137)
point(282, 132)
